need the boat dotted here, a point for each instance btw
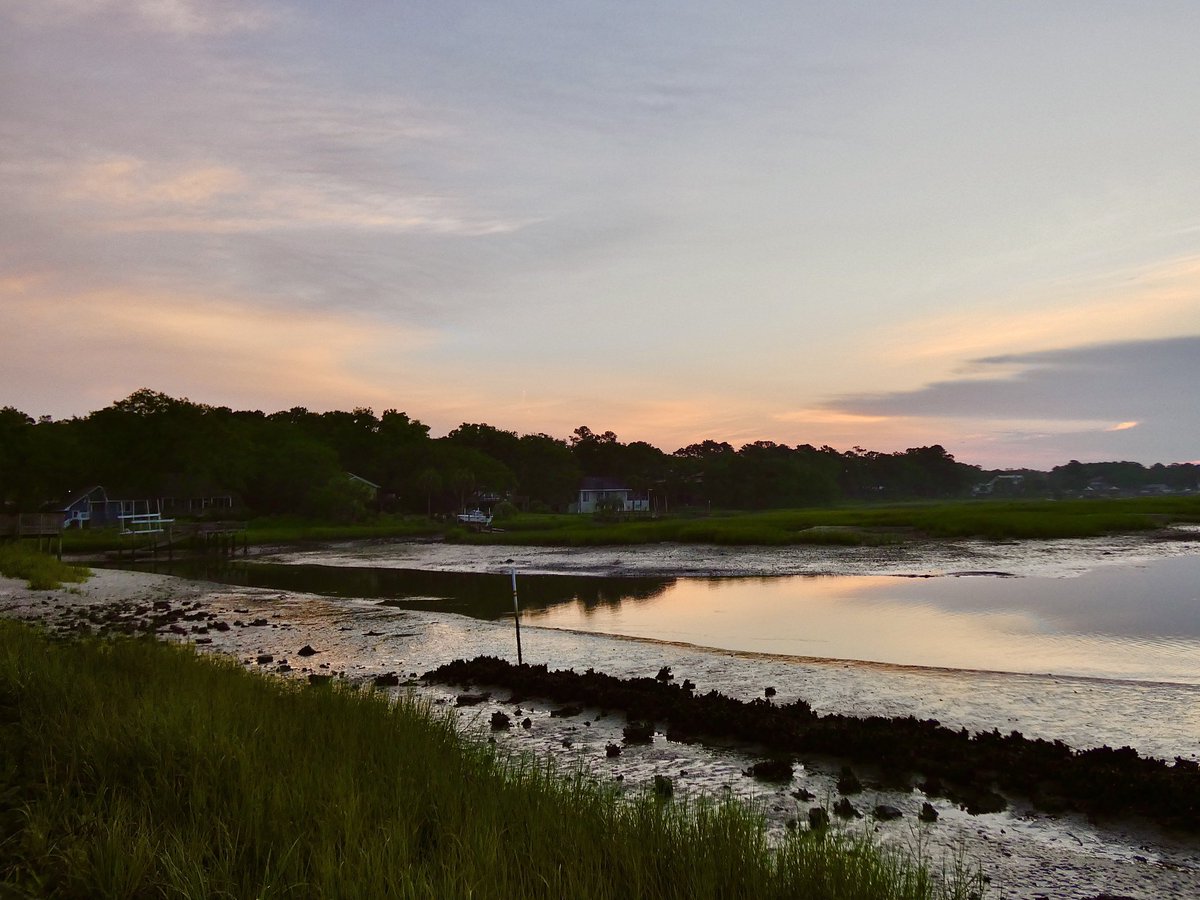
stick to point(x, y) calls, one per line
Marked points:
point(475, 518)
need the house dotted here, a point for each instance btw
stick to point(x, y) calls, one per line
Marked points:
point(94, 509)
point(368, 487)
point(1000, 486)
point(91, 508)
point(601, 492)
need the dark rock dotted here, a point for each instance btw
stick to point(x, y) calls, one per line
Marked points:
point(259, 623)
point(471, 699)
point(175, 629)
point(567, 742)
point(203, 640)
point(933, 787)
point(978, 801)
point(500, 721)
point(639, 732)
point(283, 668)
point(778, 769)
point(663, 786)
point(886, 813)
point(306, 650)
point(846, 810)
point(566, 712)
point(968, 769)
point(391, 679)
point(802, 794)
point(612, 750)
point(769, 692)
point(664, 675)
point(689, 685)
point(319, 680)
point(818, 818)
point(848, 782)
point(526, 723)
point(927, 813)
point(220, 626)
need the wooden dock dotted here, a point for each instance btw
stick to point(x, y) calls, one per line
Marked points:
point(222, 538)
point(45, 528)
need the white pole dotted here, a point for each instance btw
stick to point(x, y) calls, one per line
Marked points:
point(516, 616)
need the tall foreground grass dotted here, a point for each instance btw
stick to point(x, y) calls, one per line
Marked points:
point(135, 769)
point(42, 571)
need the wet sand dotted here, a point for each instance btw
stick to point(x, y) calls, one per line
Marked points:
point(1056, 558)
point(1025, 854)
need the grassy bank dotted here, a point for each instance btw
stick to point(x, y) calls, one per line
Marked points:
point(42, 571)
point(278, 530)
point(134, 769)
point(861, 525)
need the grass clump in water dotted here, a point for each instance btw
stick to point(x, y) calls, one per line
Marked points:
point(43, 571)
point(133, 768)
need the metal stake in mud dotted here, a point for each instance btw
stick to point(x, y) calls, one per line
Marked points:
point(516, 615)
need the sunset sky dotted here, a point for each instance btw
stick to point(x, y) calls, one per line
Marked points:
point(874, 224)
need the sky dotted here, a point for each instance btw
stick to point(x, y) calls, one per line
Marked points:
point(851, 224)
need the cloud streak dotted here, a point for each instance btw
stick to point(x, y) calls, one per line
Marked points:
point(185, 18)
point(1129, 395)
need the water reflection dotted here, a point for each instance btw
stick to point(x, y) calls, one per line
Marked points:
point(1130, 622)
point(484, 596)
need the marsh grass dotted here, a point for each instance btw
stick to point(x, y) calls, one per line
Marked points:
point(862, 525)
point(135, 769)
point(42, 571)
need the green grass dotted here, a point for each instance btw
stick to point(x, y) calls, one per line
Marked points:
point(275, 530)
point(134, 769)
point(42, 571)
point(860, 525)
point(283, 530)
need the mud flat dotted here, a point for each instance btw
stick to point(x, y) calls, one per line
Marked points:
point(1053, 558)
point(1025, 851)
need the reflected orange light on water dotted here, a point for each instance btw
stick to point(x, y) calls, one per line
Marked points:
point(878, 619)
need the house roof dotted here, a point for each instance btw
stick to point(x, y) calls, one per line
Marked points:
point(85, 495)
point(603, 483)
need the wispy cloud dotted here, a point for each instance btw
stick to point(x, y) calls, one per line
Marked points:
point(1153, 300)
point(196, 346)
point(128, 193)
point(1135, 392)
point(177, 17)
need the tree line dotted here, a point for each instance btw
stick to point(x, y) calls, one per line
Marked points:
point(296, 462)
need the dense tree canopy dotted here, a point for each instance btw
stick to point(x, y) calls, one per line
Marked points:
point(297, 461)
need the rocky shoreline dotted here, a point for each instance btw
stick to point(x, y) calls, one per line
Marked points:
point(1024, 853)
point(971, 770)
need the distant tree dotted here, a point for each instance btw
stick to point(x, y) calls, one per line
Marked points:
point(546, 471)
point(429, 482)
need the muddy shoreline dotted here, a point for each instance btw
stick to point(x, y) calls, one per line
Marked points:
point(1026, 852)
point(964, 768)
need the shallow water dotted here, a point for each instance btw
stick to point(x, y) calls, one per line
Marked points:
point(1098, 611)
point(378, 617)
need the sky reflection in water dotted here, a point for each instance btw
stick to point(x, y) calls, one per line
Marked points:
point(1136, 622)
